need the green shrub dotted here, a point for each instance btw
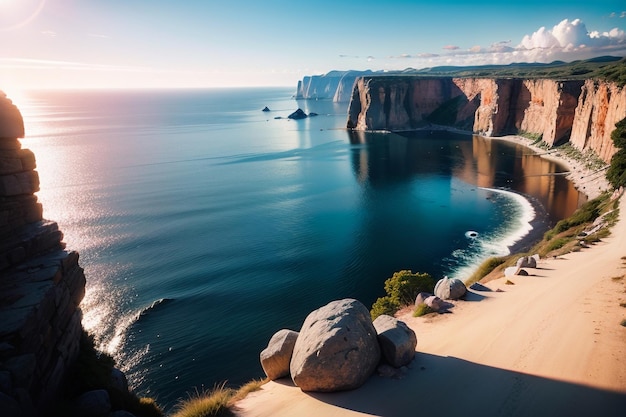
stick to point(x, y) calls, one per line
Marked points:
point(384, 305)
point(616, 174)
point(557, 244)
point(401, 289)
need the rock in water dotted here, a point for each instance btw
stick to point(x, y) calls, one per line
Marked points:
point(450, 288)
point(337, 348)
point(298, 114)
point(266, 108)
point(397, 340)
point(275, 358)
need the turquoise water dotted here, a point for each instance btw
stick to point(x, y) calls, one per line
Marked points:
point(205, 225)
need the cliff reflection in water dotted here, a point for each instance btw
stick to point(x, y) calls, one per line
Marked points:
point(484, 162)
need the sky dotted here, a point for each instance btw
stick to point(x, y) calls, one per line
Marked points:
point(237, 43)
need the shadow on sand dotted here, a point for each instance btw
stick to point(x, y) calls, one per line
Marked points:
point(448, 386)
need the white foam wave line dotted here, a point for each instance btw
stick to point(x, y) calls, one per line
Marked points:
point(499, 245)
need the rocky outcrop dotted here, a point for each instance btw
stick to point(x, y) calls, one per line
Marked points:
point(600, 106)
point(41, 284)
point(583, 112)
point(337, 348)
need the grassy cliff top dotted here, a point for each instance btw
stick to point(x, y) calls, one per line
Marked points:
point(607, 68)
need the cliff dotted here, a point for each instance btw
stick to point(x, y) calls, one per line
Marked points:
point(41, 284)
point(334, 85)
point(584, 112)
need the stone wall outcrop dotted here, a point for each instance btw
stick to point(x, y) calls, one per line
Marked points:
point(583, 112)
point(41, 284)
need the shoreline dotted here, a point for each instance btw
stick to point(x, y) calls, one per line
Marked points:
point(591, 183)
point(550, 344)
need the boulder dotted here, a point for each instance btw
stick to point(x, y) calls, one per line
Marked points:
point(94, 403)
point(526, 262)
point(522, 273)
point(421, 298)
point(510, 271)
point(275, 358)
point(337, 348)
point(450, 288)
point(298, 114)
point(397, 341)
point(435, 303)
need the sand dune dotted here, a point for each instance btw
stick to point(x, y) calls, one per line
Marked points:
point(549, 345)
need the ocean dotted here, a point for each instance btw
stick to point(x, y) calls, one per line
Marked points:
point(205, 225)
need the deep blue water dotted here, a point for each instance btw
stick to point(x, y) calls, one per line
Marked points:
point(205, 225)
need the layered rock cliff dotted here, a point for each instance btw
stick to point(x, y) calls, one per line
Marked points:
point(555, 110)
point(334, 85)
point(41, 284)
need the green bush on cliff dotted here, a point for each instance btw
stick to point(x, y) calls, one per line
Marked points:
point(401, 289)
point(616, 174)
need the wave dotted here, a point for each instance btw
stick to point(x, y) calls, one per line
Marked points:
point(483, 246)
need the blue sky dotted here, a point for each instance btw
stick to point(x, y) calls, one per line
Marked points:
point(186, 43)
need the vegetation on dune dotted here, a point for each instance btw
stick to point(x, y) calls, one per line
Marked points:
point(422, 310)
point(401, 289)
point(616, 174)
point(485, 268)
point(216, 402)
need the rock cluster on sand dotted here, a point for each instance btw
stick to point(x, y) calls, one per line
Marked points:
point(338, 348)
point(523, 262)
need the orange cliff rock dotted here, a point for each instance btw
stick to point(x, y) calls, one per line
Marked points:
point(551, 109)
point(600, 106)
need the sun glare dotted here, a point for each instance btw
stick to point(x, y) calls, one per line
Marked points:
point(15, 14)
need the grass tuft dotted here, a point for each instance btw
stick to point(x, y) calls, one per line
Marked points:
point(422, 310)
point(216, 402)
point(206, 403)
point(485, 268)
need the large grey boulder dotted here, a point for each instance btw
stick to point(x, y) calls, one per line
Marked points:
point(337, 348)
point(397, 340)
point(450, 288)
point(275, 358)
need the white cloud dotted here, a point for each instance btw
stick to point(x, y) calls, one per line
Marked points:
point(571, 36)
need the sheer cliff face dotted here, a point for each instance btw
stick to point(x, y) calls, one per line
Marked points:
point(41, 283)
point(600, 106)
point(555, 110)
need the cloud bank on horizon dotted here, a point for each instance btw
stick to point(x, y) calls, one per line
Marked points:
point(566, 41)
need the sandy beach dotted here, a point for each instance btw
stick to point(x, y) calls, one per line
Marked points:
point(550, 344)
point(591, 183)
